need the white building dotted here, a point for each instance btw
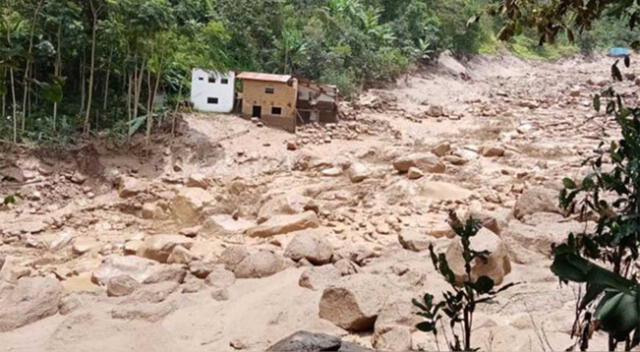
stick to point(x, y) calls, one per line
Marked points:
point(212, 91)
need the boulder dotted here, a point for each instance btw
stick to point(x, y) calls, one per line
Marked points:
point(220, 277)
point(198, 181)
point(180, 255)
point(426, 162)
point(232, 256)
point(153, 211)
point(160, 247)
point(346, 267)
point(122, 285)
point(331, 172)
point(152, 293)
point(496, 267)
point(354, 301)
point(319, 277)
point(141, 269)
point(536, 200)
point(492, 151)
point(259, 264)
point(30, 300)
point(225, 225)
point(149, 312)
point(281, 224)
point(358, 172)
point(188, 204)
point(312, 245)
point(414, 240)
point(392, 339)
point(414, 173)
point(398, 310)
point(201, 269)
point(441, 149)
point(283, 204)
point(82, 245)
point(130, 187)
point(303, 341)
point(220, 294)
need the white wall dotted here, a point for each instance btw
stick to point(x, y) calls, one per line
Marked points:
point(202, 91)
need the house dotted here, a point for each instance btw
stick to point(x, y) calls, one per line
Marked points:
point(317, 102)
point(271, 98)
point(212, 91)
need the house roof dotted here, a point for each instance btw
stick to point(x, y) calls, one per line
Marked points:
point(267, 77)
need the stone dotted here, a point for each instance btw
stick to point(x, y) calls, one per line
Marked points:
point(201, 269)
point(13, 269)
point(282, 224)
point(60, 241)
point(414, 240)
point(198, 181)
point(220, 277)
point(160, 247)
point(536, 200)
point(492, 151)
point(180, 255)
point(152, 293)
point(303, 341)
point(283, 204)
point(319, 277)
point(82, 245)
point(312, 245)
point(332, 172)
point(358, 172)
point(392, 339)
point(414, 173)
point(220, 294)
point(131, 247)
point(188, 204)
point(496, 266)
point(130, 187)
point(232, 256)
point(346, 267)
point(354, 301)
point(259, 264)
point(121, 285)
point(398, 310)
point(153, 211)
point(141, 269)
point(149, 312)
point(226, 225)
point(435, 111)
point(30, 300)
point(426, 162)
point(292, 145)
point(441, 149)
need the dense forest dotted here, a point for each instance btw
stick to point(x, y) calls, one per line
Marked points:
point(72, 66)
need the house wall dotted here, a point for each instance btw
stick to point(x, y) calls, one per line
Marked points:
point(202, 90)
point(284, 96)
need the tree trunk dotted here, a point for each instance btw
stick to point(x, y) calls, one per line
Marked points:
point(106, 84)
point(14, 109)
point(91, 69)
point(57, 71)
point(27, 71)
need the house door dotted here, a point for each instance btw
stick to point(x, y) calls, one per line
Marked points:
point(257, 111)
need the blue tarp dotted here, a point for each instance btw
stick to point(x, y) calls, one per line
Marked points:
point(618, 52)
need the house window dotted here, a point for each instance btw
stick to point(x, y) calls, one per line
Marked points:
point(269, 90)
point(200, 78)
point(224, 81)
point(276, 111)
point(212, 100)
point(212, 79)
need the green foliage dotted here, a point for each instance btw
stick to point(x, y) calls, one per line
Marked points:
point(460, 302)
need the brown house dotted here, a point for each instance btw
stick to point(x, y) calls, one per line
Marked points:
point(270, 97)
point(317, 102)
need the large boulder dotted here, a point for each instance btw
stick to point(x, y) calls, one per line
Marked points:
point(311, 245)
point(225, 225)
point(188, 205)
point(122, 285)
point(159, 247)
point(496, 266)
point(140, 269)
point(536, 200)
point(130, 187)
point(426, 162)
point(259, 264)
point(392, 338)
point(220, 277)
point(283, 204)
point(233, 256)
point(281, 224)
point(354, 301)
point(319, 277)
point(30, 300)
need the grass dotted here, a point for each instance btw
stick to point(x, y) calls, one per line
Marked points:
point(528, 48)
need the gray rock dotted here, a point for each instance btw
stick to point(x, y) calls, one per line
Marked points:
point(260, 264)
point(122, 285)
point(311, 245)
point(303, 341)
point(220, 277)
point(30, 300)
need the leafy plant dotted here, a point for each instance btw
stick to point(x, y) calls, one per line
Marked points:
point(460, 302)
point(610, 194)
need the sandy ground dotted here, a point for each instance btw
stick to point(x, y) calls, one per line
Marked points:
point(536, 112)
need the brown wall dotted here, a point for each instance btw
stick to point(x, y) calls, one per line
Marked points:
point(253, 93)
